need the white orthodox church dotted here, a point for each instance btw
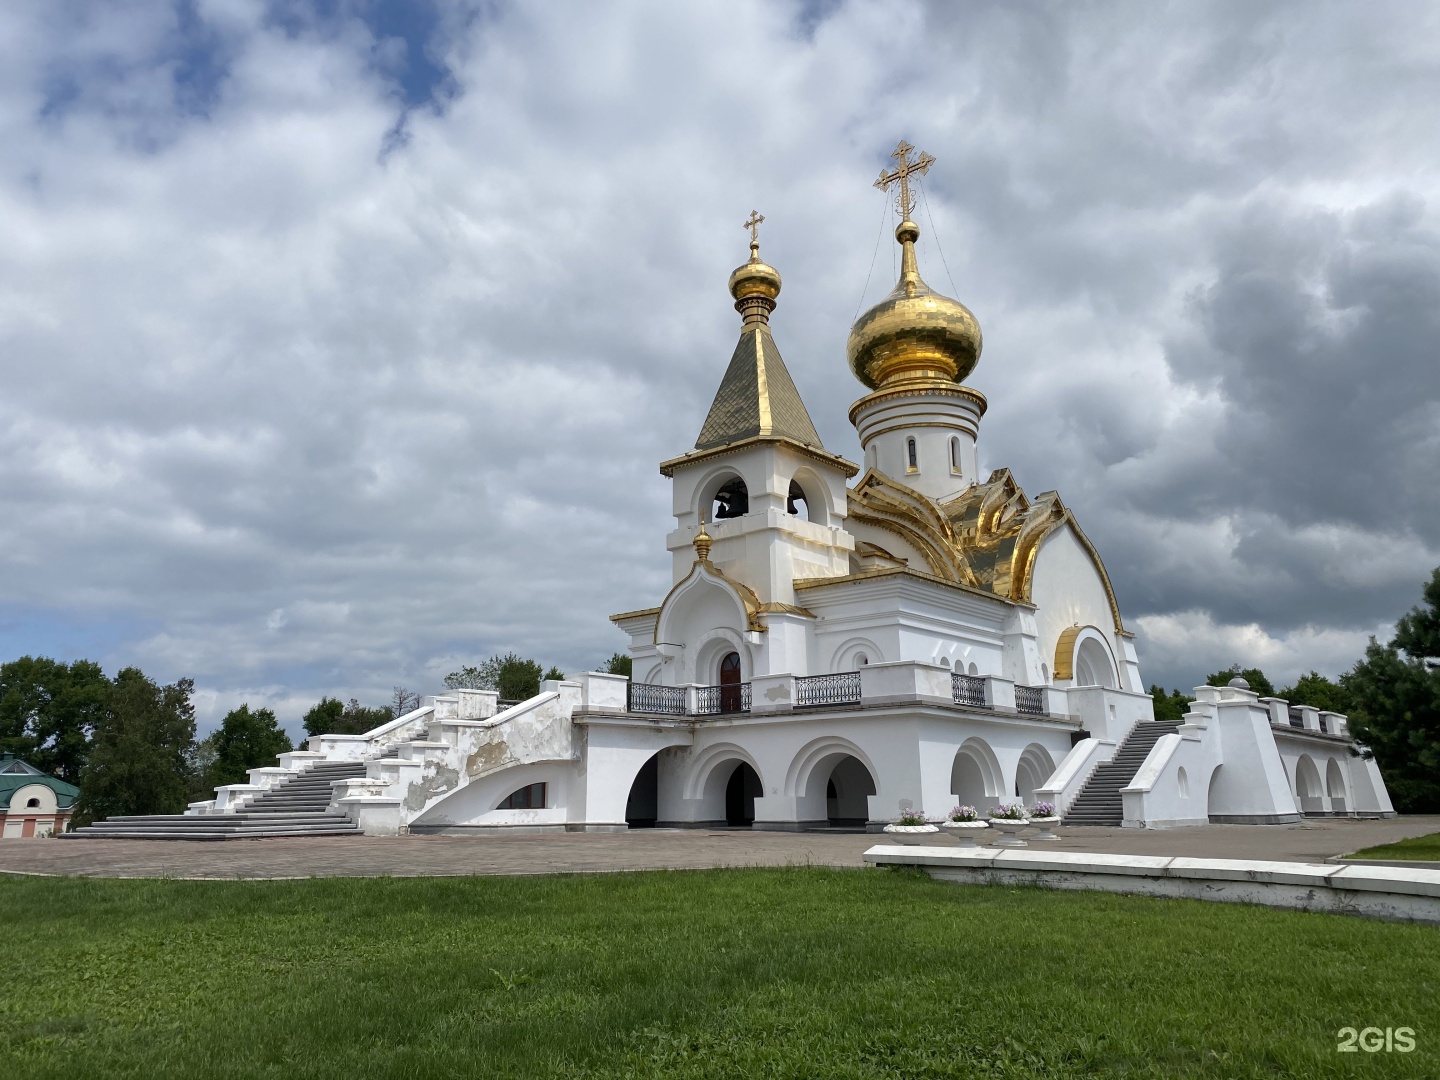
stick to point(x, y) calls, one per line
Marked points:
point(840, 641)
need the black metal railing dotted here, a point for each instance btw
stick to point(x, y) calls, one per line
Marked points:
point(1030, 700)
point(967, 689)
point(1297, 718)
point(841, 689)
point(649, 698)
point(719, 700)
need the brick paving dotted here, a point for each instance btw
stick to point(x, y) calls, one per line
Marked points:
point(659, 849)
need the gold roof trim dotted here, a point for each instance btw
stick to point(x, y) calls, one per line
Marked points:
point(849, 468)
point(900, 571)
point(634, 614)
point(1064, 666)
point(751, 602)
point(787, 609)
point(985, 538)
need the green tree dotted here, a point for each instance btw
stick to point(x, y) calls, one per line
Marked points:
point(554, 673)
point(141, 751)
point(513, 676)
point(619, 664)
point(1316, 690)
point(330, 716)
point(48, 710)
point(1171, 706)
point(1395, 705)
point(1254, 676)
point(245, 740)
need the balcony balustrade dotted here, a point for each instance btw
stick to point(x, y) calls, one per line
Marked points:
point(840, 689)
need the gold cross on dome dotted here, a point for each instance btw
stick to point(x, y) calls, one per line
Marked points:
point(906, 202)
point(754, 225)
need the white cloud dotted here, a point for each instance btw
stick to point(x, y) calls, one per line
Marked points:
point(296, 405)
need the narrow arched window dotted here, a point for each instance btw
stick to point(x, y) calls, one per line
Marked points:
point(910, 451)
point(955, 453)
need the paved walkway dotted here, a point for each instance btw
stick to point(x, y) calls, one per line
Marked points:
point(654, 849)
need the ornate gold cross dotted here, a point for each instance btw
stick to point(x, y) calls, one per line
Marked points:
point(754, 225)
point(906, 202)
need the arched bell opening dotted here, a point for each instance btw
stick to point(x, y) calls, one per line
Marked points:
point(732, 500)
point(741, 791)
point(796, 503)
point(642, 808)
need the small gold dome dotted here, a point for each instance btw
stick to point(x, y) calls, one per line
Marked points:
point(914, 335)
point(755, 287)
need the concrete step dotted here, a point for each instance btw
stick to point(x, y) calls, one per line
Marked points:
point(1099, 801)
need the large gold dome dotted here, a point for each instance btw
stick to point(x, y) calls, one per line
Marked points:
point(915, 335)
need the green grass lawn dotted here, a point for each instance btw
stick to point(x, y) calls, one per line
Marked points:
point(1422, 848)
point(736, 973)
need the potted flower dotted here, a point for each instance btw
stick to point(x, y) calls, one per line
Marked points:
point(1009, 819)
point(962, 823)
point(911, 827)
point(1043, 814)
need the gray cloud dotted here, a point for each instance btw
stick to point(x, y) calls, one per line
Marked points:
point(323, 372)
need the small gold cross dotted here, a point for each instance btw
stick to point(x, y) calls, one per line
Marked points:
point(754, 225)
point(906, 202)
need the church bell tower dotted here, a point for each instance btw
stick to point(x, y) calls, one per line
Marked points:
point(773, 500)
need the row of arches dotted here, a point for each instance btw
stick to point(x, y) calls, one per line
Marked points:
point(726, 495)
point(831, 780)
point(1315, 797)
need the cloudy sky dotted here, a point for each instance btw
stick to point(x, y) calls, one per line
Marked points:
point(339, 340)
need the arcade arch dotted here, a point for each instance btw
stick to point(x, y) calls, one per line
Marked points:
point(1308, 791)
point(1034, 769)
point(1335, 787)
point(975, 774)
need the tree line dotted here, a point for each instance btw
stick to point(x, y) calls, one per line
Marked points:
point(1391, 695)
point(129, 742)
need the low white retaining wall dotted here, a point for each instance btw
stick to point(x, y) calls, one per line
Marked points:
point(1395, 893)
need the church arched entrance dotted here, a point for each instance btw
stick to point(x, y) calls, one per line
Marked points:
point(847, 793)
point(642, 808)
point(740, 792)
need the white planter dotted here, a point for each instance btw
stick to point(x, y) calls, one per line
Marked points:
point(1010, 830)
point(1046, 825)
point(913, 834)
point(963, 832)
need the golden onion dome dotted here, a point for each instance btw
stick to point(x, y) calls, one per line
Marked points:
point(914, 335)
point(755, 285)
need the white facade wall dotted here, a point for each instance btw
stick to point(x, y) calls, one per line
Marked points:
point(1068, 591)
point(944, 428)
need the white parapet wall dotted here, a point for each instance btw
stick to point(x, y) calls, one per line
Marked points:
point(1400, 894)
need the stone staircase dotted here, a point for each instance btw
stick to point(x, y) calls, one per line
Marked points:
point(1099, 801)
point(297, 806)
